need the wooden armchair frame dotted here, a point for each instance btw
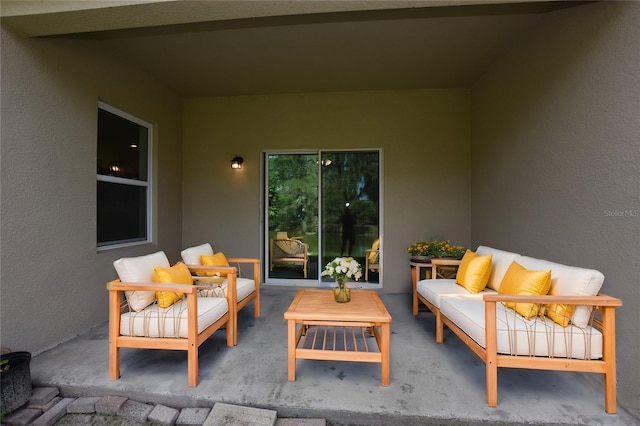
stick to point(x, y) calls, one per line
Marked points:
point(118, 305)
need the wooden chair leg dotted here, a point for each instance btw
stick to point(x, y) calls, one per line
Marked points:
point(192, 365)
point(256, 305)
point(114, 362)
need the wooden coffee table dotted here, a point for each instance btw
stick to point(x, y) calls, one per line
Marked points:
point(320, 328)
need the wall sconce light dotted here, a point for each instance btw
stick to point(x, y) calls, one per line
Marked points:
point(236, 163)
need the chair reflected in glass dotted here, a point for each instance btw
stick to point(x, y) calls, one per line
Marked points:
point(288, 250)
point(372, 259)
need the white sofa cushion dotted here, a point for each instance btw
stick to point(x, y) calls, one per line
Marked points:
point(140, 270)
point(191, 255)
point(569, 281)
point(435, 290)
point(244, 287)
point(154, 321)
point(517, 336)
point(500, 262)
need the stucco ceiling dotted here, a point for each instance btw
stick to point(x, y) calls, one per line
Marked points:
point(218, 48)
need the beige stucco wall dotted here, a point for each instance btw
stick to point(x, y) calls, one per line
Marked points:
point(556, 131)
point(52, 278)
point(426, 154)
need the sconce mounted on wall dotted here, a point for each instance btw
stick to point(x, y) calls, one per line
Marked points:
point(236, 163)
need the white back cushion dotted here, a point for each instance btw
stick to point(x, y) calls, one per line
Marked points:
point(569, 281)
point(500, 262)
point(140, 270)
point(191, 255)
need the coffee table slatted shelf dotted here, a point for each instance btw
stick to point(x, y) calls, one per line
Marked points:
point(318, 340)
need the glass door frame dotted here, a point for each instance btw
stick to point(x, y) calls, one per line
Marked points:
point(264, 220)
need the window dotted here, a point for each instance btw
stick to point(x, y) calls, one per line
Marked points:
point(123, 179)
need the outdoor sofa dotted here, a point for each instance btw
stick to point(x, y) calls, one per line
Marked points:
point(567, 326)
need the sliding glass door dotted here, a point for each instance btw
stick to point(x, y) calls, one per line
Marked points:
point(320, 205)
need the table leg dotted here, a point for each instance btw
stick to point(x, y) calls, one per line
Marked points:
point(291, 351)
point(385, 344)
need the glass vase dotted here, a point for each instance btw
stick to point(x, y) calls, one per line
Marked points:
point(342, 293)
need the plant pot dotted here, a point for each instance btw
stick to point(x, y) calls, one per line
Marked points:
point(15, 382)
point(421, 259)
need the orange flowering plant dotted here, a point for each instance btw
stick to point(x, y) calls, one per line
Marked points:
point(436, 248)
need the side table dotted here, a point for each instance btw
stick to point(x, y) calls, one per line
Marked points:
point(447, 270)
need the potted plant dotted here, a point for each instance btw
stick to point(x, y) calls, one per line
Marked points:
point(15, 380)
point(424, 251)
point(341, 269)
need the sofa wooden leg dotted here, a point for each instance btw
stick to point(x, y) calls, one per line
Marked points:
point(439, 328)
point(492, 383)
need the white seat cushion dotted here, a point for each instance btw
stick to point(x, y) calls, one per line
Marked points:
point(569, 281)
point(140, 270)
point(244, 287)
point(154, 321)
point(500, 262)
point(191, 255)
point(435, 290)
point(518, 336)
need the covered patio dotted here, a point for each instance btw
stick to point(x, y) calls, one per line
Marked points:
point(430, 383)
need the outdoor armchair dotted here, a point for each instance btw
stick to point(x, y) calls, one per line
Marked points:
point(372, 259)
point(164, 314)
point(286, 250)
point(247, 289)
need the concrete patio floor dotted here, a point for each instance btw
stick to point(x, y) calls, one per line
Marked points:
point(430, 383)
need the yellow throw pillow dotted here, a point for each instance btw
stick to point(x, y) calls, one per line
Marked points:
point(521, 281)
point(373, 254)
point(177, 274)
point(217, 259)
point(474, 271)
point(559, 313)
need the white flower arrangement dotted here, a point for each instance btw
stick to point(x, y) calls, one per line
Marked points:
point(343, 267)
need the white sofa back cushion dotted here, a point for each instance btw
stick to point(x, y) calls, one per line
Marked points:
point(569, 281)
point(518, 336)
point(191, 255)
point(500, 262)
point(140, 270)
point(154, 321)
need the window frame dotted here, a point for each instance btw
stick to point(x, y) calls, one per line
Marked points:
point(148, 184)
